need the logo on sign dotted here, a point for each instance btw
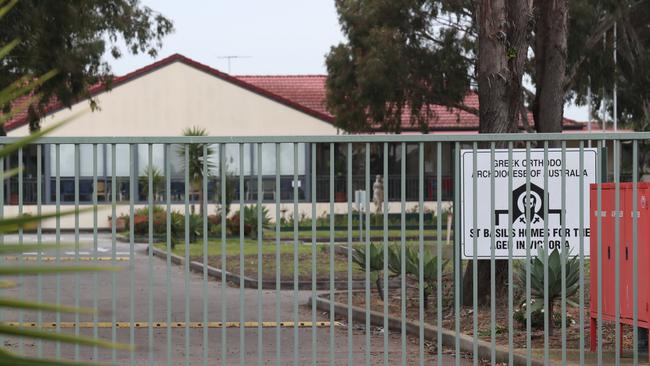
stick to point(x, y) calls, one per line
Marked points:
point(533, 202)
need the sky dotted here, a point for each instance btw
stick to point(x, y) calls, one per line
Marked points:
point(272, 36)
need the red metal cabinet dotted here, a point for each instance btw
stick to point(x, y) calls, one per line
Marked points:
point(608, 216)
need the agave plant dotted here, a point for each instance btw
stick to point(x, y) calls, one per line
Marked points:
point(429, 270)
point(554, 286)
point(412, 267)
point(8, 96)
point(375, 254)
point(394, 260)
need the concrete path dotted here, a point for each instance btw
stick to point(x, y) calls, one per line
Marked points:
point(239, 305)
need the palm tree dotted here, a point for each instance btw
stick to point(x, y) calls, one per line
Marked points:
point(196, 159)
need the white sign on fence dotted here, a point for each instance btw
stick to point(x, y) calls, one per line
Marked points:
point(535, 166)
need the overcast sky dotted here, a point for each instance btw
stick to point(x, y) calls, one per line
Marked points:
point(276, 36)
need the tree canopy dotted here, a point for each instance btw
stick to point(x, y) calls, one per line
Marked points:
point(405, 55)
point(394, 60)
point(71, 37)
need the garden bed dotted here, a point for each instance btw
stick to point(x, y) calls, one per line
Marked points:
point(484, 318)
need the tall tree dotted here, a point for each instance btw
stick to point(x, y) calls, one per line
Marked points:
point(503, 28)
point(550, 64)
point(72, 36)
point(396, 62)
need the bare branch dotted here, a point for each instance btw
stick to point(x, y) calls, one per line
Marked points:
point(465, 108)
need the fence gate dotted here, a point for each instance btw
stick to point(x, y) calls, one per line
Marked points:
point(459, 249)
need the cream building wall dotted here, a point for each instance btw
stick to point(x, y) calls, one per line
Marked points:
point(165, 101)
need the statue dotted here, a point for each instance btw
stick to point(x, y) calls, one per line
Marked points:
point(378, 193)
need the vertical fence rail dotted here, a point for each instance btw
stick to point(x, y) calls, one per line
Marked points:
point(113, 241)
point(332, 213)
point(132, 193)
point(77, 293)
point(58, 246)
point(581, 275)
point(367, 245)
point(205, 174)
point(457, 256)
point(635, 253)
point(599, 246)
point(529, 347)
point(493, 317)
point(39, 241)
point(547, 315)
point(224, 213)
point(349, 195)
point(95, 241)
point(474, 259)
point(260, 277)
point(186, 246)
point(510, 263)
point(563, 254)
point(439, 251)
point(3, 164)
point(617, 255)
point(168, 236)
point(278, 342)
point(385, 242)
point(150, 244)
point(421, 297)
point(21, 279)
point(242, 330)
point(296, 221)
point(314, 329)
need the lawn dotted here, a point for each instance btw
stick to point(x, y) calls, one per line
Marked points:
point(269, 249)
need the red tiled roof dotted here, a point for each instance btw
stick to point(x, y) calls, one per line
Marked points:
point(306, 90)
point(309, 91)
point(305, 93)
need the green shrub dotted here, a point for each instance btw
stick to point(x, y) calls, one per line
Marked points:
point(250, 221)
point(177, 224)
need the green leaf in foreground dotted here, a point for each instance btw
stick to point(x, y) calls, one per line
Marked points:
point(29, 305)
point(49, 270)
point(60, 337)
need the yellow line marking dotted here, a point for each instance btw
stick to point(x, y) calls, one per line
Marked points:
point(136, 325)
point(34, 258)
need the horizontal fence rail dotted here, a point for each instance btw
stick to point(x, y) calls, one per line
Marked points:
point(514, 249)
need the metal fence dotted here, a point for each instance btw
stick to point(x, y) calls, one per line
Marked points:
point(222, 284)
